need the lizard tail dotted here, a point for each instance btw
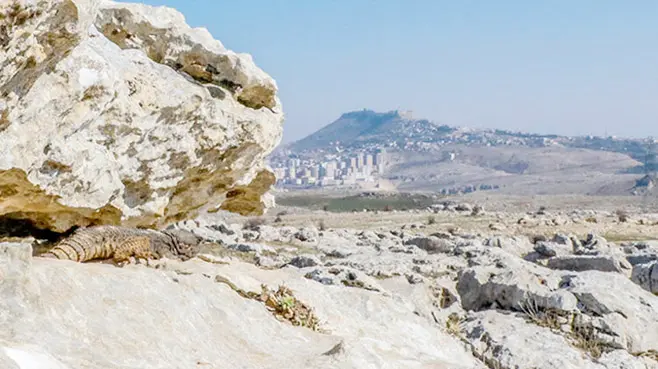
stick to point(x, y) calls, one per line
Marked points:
point(73, 249)
point(55, 253)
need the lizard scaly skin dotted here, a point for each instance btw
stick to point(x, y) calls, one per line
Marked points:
point(122, 243)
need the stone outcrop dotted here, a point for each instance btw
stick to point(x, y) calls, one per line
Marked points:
point(509, 342)
point(510, 283)
point(122, 113)
point(383, 299)
point(646, 276)
point(178, 316)
point(580, 263)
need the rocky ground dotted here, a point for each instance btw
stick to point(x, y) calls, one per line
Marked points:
point(452, 286)
point(122, 113)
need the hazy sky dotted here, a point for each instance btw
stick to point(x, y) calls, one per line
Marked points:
point(558, 66)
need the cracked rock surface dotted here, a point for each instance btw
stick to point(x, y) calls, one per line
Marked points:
point(381, 298)
point(122, 113)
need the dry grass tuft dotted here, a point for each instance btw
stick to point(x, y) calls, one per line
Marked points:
point(586, 340)
point(583, 338)
point(477, 210)
point(544, 318)
point(622, 216)
point(651, 354)
point(454, 325)
point(93, 92)
point(285, 306)
point(282, 304)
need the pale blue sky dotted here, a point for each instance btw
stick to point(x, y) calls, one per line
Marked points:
point(558, 66)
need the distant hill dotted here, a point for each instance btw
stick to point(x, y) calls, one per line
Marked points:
point(400, 131)
point(370, 127)
point(425, 156)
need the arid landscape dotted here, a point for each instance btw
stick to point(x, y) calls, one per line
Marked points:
point(151, 218)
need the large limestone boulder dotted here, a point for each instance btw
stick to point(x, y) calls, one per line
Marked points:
point(115, 112)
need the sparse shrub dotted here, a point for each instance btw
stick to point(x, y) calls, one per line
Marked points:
point(278, 219)
point(388, 208)
point(543, 318)
point(622, 216)
point(542, 210)
point(282, 304)
point(653, 354)
point(93, 92)
point(591, 220)
point(253, 223)
point(445, 299)
point(325, 208)
point(477, 210)
point(282, 213)
point(431, 220)
point(321, 225)
point(585, 339)
point(453, 325)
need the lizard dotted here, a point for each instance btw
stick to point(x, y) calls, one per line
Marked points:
point(123, 243)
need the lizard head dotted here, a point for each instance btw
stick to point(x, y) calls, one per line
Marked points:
point(185, 244)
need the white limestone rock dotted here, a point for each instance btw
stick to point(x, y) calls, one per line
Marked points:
point(432, 244)
point(629, 312)
point(177, 316)
point(507, 341)
point(114, 112)
point(579, 263)
point(516, 245)
point(510, 283)
point(621, 359)
point(646, 276)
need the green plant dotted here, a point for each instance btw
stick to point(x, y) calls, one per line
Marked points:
point(431, 220)
point(281, 303)
point(284, 305)
point(454, 324)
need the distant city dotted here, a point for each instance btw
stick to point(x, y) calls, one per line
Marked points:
point(332, 170)
point(365, 149)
